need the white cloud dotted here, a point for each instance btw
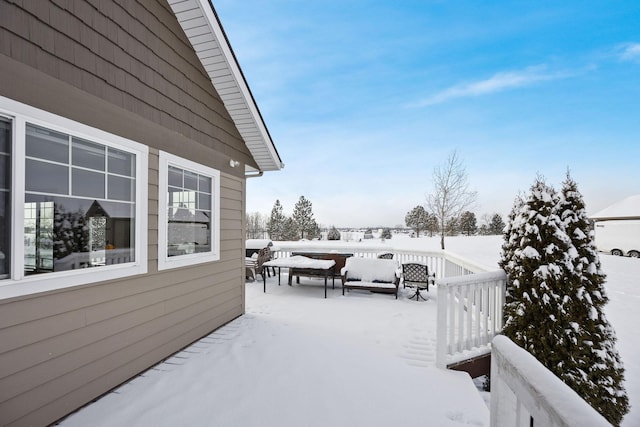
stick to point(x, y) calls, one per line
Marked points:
point(496, 83)
point(630, 52)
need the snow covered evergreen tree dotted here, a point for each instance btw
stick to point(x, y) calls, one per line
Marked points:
point(305, 225)
point(333, 234)
point(289, 232)
point(386, 233)
point(416, 219)
point(276, 223)
point(467, 223)
point(595, 370)
point(534, 299)
point(554, 299)
point(511, 236)
point(496, 226)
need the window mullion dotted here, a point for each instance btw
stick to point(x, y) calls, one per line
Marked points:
point(106, 173)
point(70, 165)
point(18, 198)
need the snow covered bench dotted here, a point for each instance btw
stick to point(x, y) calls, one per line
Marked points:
point(371, 274)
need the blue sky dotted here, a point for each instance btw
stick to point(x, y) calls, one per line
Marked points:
point(364, 98)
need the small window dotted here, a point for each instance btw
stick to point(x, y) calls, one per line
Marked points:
point(189, 220)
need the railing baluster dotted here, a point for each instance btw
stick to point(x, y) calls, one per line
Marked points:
point(478, 301)
point(451, 326)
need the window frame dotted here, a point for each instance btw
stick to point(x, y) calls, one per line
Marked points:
point(11, 190)
point(164, 261)
point(18, 283)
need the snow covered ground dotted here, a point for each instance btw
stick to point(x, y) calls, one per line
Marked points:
point(362, 359)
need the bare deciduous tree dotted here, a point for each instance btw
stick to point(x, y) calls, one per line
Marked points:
point(451, 195)
point(256, 225)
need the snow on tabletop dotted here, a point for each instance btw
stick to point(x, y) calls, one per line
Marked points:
point(299, 261)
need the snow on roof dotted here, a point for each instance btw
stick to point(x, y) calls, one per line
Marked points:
point(628, 208)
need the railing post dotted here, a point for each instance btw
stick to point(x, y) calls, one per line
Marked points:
point(441, 326)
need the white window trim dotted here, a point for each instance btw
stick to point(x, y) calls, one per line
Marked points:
point(19, 284)
point(164, 261)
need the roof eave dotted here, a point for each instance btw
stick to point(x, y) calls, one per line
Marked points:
point(204, 30)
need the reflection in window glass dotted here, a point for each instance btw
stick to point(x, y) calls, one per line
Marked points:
point(70, 222)
point(47, 144)
point(46, 177)
point(5, 197)
point(175, 177)
point(87, 183)
point(190, 180)
point(121, 188)
point(65, 233)
point(205, 184)
point(38, 237)
point(189, 212)
point(88, 154)
point(121, 162)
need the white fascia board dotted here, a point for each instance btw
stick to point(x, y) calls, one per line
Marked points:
point(205, 33)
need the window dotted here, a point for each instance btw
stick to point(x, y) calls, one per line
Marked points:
point(5, 197)
point(188, 212)
point(75, 203)
point(79, 203)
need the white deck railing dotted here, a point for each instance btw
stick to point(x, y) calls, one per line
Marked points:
point(469, 315)
point(522, 389)
point(442, 263)
point(469, 298)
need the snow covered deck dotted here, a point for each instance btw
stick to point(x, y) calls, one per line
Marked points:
point(298, 359)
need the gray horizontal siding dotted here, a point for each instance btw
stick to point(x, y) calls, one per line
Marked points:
point(124, 67)
point(132, 54)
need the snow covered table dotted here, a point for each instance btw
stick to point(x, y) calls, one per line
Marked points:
point(338, 257)
point(322, 266)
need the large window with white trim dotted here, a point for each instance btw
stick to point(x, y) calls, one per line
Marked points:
point(79, 203)
point(73, 208)
point(188, 212)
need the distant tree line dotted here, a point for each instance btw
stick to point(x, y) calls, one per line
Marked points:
point(421, 221)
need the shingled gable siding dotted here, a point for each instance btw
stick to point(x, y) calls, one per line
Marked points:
point(126, 68)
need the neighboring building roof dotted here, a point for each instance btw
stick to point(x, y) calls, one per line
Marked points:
point(202, 27)
point(628, 208)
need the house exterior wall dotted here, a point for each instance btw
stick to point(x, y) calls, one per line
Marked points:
point(124, 67)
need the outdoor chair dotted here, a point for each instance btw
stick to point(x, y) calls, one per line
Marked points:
point(250, 266)
point(386, 255)
point(264, 255)
point(416, 275)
